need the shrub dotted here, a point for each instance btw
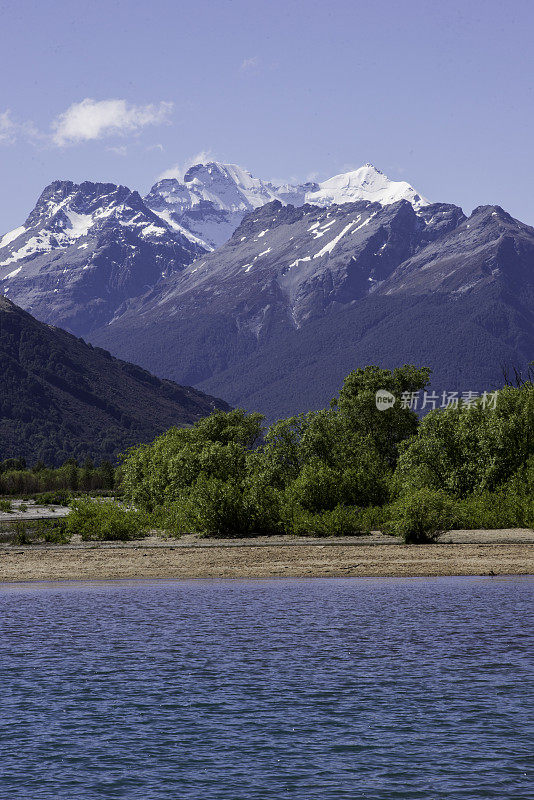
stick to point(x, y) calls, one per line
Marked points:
point(374, 518)
point(59, 497)
point(317, 488)
point(103, 519)
point(502, 509)
point(21, 533)
point(6, 506)
point(421, 516)
point(52, 531)
point(339, 521)
point(211, 507)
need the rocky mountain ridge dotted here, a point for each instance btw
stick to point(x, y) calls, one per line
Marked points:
point(84, 250)
point(299, 296)
point(211, 199)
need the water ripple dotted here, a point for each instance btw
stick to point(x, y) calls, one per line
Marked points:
point(391, 689)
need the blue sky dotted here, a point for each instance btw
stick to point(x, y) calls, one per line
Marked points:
point(439, 94)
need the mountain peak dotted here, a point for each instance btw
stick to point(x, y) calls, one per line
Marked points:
point(372, 167)
point(365, 183)
point(96, 244)
point(212, 197)
point(210, 201)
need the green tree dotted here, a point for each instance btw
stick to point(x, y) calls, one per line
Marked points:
point(107, 475)
point(72, 476)
point(214, 447)
point(387, 429)
point(466, 450)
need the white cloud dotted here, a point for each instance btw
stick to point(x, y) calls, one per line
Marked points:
point(250, 63)
point(179, 170)
point(11, 130)
point(120, 150)
point(95, 119)
point(8, 128)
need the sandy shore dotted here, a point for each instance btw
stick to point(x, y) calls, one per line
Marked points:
point(459, 553)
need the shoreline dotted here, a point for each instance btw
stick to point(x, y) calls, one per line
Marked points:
point(456, 553)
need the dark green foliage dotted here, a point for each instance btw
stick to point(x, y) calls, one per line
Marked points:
point(55, 485)
point(5, 506)
point(503, 508)
point(332, 472)
point(212, 507)
point(215, 447)
point(387, 429)
point(339, 521)
point(21, 533)
point(50, 531)
point(60, 497)
point(311, 474)
point(304, 454)
point(11, 464)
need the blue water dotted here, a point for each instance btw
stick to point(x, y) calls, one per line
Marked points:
point(249, 690)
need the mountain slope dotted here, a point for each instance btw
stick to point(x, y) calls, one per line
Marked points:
point(213, 198)
point(466, 343)
point(282, 268)
point(299, 296)
point(61, 397)
point(86, 249)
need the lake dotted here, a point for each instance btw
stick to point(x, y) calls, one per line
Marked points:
point(253, 690)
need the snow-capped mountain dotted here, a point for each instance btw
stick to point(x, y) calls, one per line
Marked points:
point(365, 183)
point(212, 199)
point(298, 297)
point(210, 202)
point(84, 250)
point(315, 280)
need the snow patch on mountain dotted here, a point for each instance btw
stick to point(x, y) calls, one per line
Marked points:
point(7, 238)
point(211, 200)
point(80, 223)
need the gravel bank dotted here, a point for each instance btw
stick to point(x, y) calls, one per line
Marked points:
point(485, 552)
